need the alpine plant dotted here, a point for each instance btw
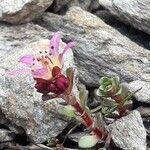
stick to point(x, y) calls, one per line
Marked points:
point(46, 70)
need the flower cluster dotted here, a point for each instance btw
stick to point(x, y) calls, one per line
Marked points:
point(47, 69)
point(58, 84)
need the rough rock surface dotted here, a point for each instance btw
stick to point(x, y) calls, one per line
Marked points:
point(8, 130)
point(106, 16)
point(134, 12)
point(4, 135)
point(94, 6)
point(19, 36)
point(81, 3)
point(129, 133)
point(144, 94)
point(19, 101)
point(100, 50)
point(145, 113)
point(61, 6)
point(21, 11)
point(134, 34)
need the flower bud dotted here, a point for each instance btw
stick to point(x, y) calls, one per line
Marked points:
point(59, 85)
point(62, 83)
point(41, 86)
point(56, 71)
point(52, 87)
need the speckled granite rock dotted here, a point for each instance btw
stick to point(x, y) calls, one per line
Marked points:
point(19, 36)
point(144, 94)
point(145, 113)
point(4, 135)
point(21, 11)
point(19, 101)
point(128, 132)
point(133, 12)
point(84, 4)
point(61, 6)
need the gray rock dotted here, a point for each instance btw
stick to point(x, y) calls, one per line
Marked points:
point(106, 16)
point(137, 36)
point(100, 50)
point(80, 3)
point(133, 12)
point(59, 5)
point(8, 127)
point(144, 94)
point(62, 6)
point(4, 135)
point(21, 11)
point(19, 36)
point(19, 101)
point(95, 6)
point(145, 113)
point(128, 132)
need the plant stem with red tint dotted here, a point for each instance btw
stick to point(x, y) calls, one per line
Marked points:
point(121, 109)
point(86, 117)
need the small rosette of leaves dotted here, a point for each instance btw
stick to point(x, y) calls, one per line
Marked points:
point(113, 89)
point(114, 95)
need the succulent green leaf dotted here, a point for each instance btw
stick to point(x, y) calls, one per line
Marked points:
point(69, 111)
point(96, 109)
point(83, 95)
point(124, 91)
point(51, 141)
point(130, 95)
point(116, 80)
point(108, 110)
point(104, 110)
point(109, 102)
point(87, 141)
point(112, 109)
point(109, 84)
point(106, 86)
point(69, 71)
point(103, 80)
point(99, 120)
point(70, 75)
point(102, 87)
point(114, 85)
point(100, 92)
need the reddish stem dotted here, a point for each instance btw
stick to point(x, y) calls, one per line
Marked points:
point(121, 109)
point(88, 121)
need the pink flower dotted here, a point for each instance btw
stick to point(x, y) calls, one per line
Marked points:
point(58, 84)
point(46, 69)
